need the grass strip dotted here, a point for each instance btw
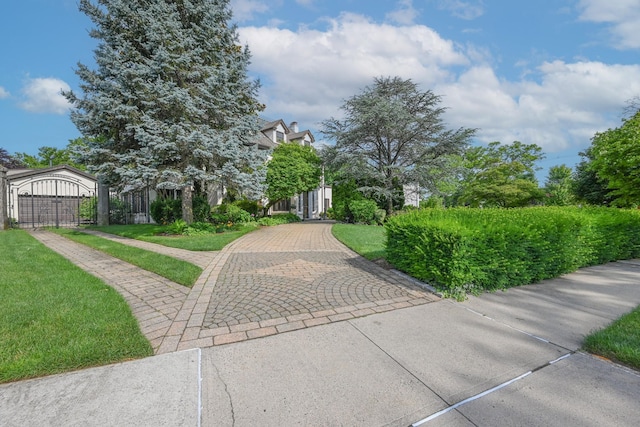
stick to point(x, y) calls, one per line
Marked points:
point(54, 317)
point(619, 342)
point(153, 233)
point(176, 270)
point(366, 240)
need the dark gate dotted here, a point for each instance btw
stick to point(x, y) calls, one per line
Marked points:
point(55, 202)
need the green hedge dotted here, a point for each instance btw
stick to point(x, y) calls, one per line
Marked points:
point(467, 250)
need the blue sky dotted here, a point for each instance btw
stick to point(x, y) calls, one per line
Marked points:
point(550, 72)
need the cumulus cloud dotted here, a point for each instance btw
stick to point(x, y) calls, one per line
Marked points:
point(622, 15)
point(563, 108)
point(405, 14)
point(4, 93)
point(312, 71)
point(245, 10)
point(44, 95)
point(308, 73)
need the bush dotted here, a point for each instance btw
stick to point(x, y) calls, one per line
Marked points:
point(462, 250)
point(201, 209)
point(165, 210)
point(228, 213)
point(250, 206)
point(277, 219)
point(363, 211)
point(118, 211)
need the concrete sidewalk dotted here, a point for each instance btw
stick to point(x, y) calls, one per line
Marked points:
point(509, 358)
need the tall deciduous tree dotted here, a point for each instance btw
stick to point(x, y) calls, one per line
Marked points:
point(293, 169)
point(52, 156)
point(615, 157)
point(501, 175)
point(169, 104)
point(392, 134)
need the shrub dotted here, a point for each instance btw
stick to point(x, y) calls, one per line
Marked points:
point(165, 210)
point(201, 209)
point(380, 216)
point(463, 250)
point(250, 206)
point(228, 213)
point(277, 219)
point(118, 210)
point(363, 211)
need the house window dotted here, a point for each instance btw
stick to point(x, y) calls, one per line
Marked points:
point(279, 136)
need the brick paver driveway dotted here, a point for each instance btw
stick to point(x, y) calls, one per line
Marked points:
point(270, 281)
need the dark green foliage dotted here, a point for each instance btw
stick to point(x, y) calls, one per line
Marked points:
point(229, 213)
point(250, 206)
point(118, 211)
point(201, 209)
point(165, 210)
point(363, 211)
point(471, 249)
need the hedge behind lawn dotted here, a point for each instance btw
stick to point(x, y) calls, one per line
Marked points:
point(467, 250)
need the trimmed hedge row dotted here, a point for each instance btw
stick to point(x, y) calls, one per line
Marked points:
point(466, 250)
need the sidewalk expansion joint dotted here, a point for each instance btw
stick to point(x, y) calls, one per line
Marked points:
point(489, 391)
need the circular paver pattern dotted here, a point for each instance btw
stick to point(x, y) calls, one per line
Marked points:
point(252, 287)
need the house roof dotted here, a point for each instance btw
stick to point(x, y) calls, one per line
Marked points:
point(26, 173)
point(266, 125)
point(300, 135)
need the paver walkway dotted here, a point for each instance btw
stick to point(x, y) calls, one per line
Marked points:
point(273, 280)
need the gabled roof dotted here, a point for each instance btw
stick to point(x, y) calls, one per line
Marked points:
point(300, 135)
point(266, 125)
point(26, 173)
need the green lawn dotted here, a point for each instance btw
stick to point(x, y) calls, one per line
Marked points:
point(619, 342)
point(54, 317)
point(367, 240)
point(176, 270)
point(154, 233)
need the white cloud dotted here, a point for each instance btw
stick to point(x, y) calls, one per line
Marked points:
point(4, 93)
point(307, 73)
point(622, 15)
point(405, 14)
point(467, 10)
point(245, 10)
point(569, 104)
point(43, 95)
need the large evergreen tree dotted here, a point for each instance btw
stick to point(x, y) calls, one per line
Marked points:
point(392, 134)
point(169, 104)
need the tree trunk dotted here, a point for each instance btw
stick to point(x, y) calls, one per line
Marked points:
point(187, 204)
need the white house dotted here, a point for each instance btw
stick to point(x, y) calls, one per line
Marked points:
point(312, 204)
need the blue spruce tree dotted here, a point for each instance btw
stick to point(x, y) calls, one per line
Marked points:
point(169, 104)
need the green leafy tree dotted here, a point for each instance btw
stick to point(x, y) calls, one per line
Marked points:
point(392, 134)
point(51, 156)
point(559, 186)
point(587, 186)
point(293, 169)
point(501, 175)
point(9, 161)
point(169, 104)
point(616, 158)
